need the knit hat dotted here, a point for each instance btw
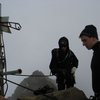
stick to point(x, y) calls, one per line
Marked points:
point(90, 31)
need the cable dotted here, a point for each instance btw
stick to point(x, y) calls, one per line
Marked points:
point(35, 75)
point(18, 84)
point(6, 89)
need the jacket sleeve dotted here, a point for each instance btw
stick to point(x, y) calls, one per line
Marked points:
point(74, 60)
point(53, 64)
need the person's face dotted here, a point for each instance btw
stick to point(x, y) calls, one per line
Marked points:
point(64, 48)
point(87, 41)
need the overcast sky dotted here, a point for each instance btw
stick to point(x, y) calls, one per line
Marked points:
point(43, 23)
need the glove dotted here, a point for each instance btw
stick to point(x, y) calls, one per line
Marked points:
point(73, 70)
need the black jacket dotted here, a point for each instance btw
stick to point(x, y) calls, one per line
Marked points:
point(95, 67)
point(62, 61)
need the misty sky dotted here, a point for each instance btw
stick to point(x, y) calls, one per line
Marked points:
point(43, 23)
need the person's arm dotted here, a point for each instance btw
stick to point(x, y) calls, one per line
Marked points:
point(52, 65)
point(74, 63)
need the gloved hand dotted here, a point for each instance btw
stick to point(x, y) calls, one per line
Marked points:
point(73, 70)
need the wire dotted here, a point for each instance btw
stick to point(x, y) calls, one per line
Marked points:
point(17, 84)
point(35, 75)
point(6, 89)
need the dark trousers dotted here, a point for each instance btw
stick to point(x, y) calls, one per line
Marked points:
point(97, 95)
point(65, 81)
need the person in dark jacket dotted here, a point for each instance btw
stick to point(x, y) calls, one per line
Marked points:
point(63, 64)
point(89, 38)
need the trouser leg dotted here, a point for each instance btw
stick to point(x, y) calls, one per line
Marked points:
point(69, 82)
point(61, 86)
point(97, 95)
point(60, 81)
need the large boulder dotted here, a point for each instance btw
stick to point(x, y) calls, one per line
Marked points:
point(34, 82)
point(69, 94)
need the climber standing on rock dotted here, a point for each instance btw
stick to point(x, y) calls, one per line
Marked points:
point(63, 64)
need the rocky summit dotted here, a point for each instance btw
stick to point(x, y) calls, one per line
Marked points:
point(68, 94)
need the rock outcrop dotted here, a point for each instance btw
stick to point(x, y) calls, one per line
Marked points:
point(48, 92)
point(34, 82)
point(69, 94)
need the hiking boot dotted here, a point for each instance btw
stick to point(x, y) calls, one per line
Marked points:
point(92, 98)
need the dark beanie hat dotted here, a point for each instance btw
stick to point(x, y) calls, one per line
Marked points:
point(90, 31)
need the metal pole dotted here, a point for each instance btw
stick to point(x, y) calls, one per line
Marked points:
point(1, 63)
point(3, 67)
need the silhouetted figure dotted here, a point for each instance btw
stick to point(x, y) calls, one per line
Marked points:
point(63, 64)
